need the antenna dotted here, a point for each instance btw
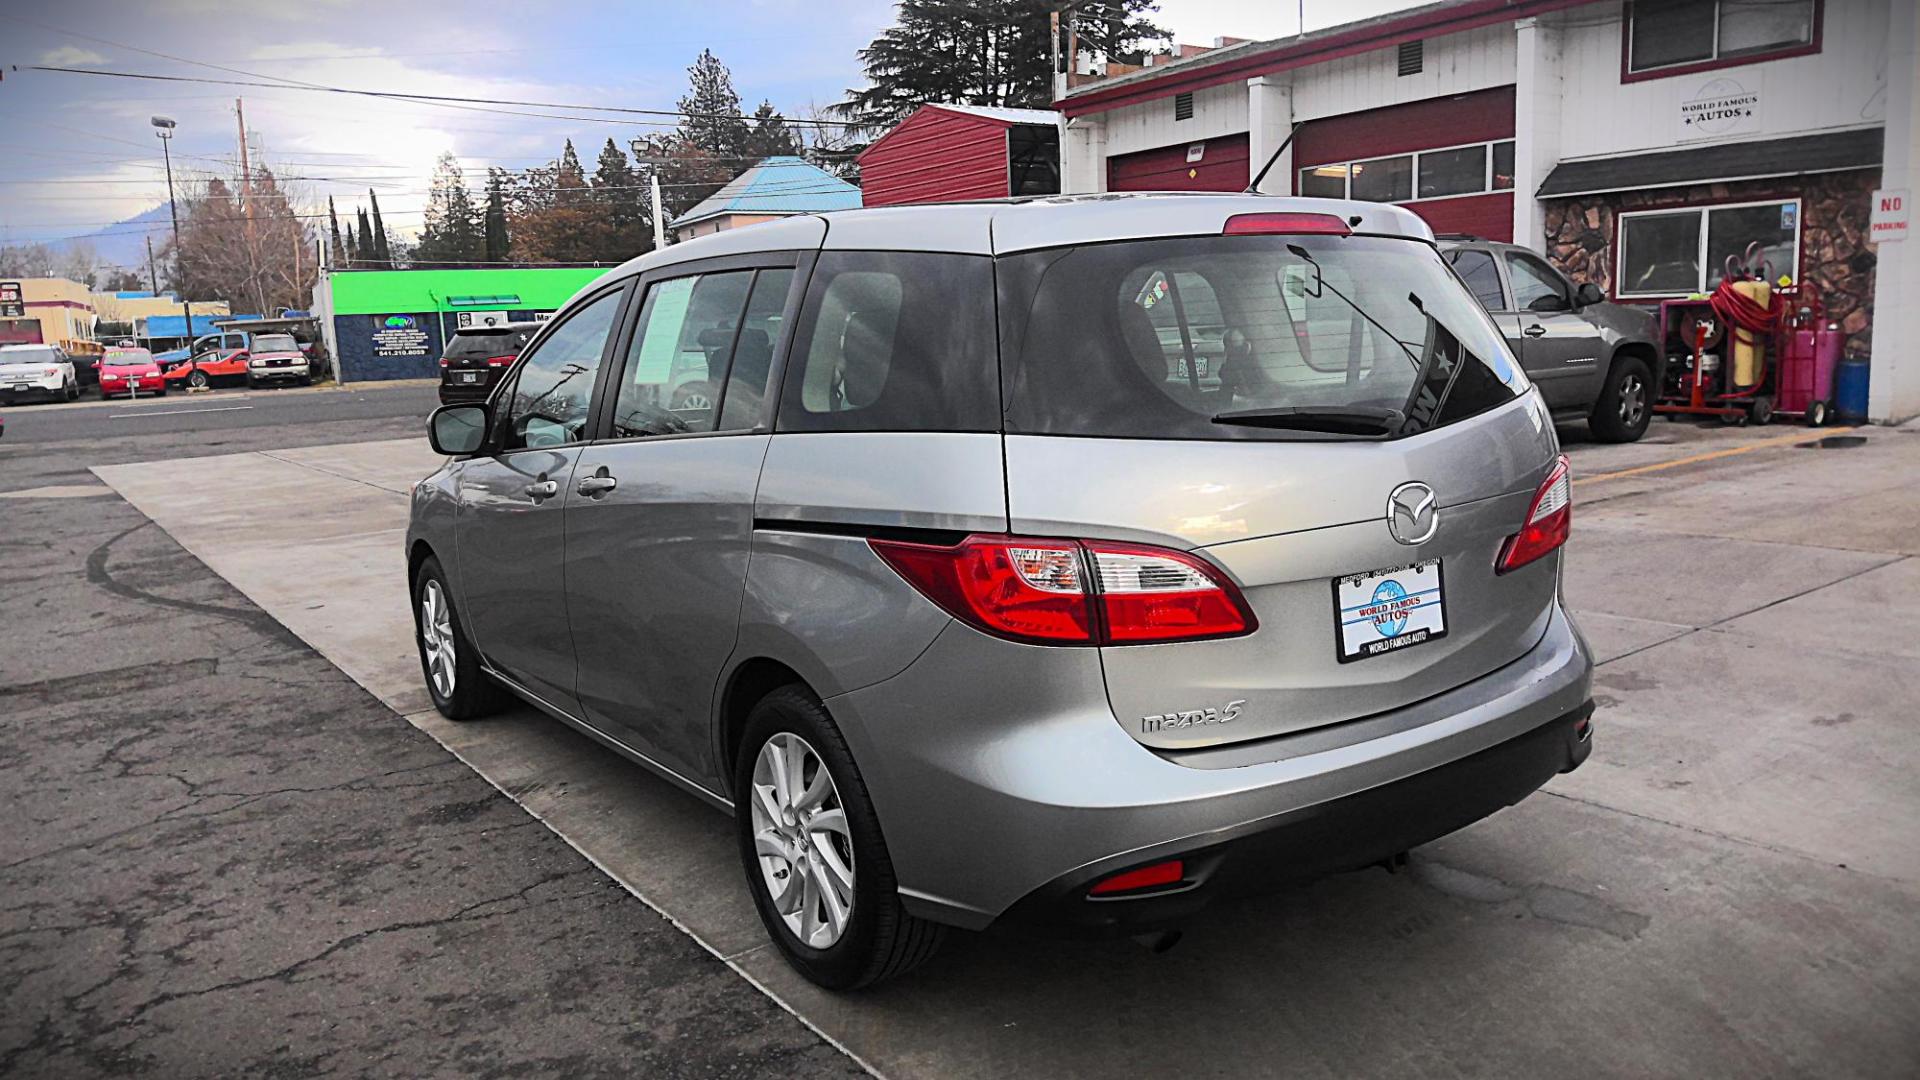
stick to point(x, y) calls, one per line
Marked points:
point(1254, 188)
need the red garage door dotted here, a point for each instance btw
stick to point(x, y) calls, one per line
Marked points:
point(1221, 166)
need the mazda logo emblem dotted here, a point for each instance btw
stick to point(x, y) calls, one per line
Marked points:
point(1412, 516)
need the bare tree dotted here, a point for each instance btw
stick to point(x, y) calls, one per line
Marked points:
point(251, 248)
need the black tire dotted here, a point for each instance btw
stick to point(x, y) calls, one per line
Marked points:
point(1626, 402)
point(881, 939)
point(1761, 411)
point(252, 384)
point(474, 695)
point(1817, 414)
point(197, 379)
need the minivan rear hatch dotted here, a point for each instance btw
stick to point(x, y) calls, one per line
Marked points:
point(1330, 419)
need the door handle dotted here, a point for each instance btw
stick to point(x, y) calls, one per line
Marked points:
point(595, 486)
point(1536, 330)
point(545, 489)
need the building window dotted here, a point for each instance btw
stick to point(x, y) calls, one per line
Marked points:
point(1664, 34)
point(1413, 56)
point(1183, 106)
point(1442, 173)
point(1682, 252)
point(1388, 179)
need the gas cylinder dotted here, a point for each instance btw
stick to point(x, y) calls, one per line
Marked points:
point(1748, 348)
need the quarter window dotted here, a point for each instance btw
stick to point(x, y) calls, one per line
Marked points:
point(1670, 33)
point(1681, 252)
point(553, 387)
point(895, 341)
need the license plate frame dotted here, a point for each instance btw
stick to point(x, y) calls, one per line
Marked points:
point(1363, 629)
point(466, 378)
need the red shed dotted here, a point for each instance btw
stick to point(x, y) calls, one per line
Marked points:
point(945, 153)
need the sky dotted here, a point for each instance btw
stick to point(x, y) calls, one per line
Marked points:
point(77, 152)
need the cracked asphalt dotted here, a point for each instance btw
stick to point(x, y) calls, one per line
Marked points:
point(222, 857)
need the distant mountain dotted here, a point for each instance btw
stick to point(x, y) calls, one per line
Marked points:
point(124, 243)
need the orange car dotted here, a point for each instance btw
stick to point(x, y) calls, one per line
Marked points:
point(204, 369)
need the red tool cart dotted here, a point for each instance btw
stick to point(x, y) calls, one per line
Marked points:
point(1749, 350)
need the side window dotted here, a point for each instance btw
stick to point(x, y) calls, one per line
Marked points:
point(553, 388)
point(1533, 279)
point(895, 341)
point(746, 391)
point(671, 382)
point(1477, 269)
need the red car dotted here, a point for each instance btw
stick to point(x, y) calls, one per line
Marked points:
point(131, 372)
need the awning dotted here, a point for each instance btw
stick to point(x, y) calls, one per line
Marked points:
point(1720, 163)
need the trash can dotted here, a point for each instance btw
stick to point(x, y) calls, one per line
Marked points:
point(1850, 390)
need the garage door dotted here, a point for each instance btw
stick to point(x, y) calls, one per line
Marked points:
point(1207, 165)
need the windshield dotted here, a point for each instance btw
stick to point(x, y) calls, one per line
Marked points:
point(126, 357)
point(26, 356)
point(1197, 338)
point(275, 343)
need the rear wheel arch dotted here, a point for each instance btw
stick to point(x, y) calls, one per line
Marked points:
point(753, 680)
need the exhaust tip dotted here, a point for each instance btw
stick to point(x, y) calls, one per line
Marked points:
point(1160, 941)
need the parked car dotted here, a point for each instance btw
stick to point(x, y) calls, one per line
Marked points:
point(975, 607)
point(276, 358)
point(45, 372)
point(223, 359)
point(86, 369)
point(130, 371)
point(1591, 359)
point(477, 356)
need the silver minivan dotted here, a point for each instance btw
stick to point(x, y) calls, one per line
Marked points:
point(1064, 564)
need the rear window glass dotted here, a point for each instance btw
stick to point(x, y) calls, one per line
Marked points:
point(894, 341)
point(1156, 338)
point(489, 343)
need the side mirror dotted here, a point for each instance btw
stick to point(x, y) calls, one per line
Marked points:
point(457, 430)
point(1588, 294)
point(1548, 303)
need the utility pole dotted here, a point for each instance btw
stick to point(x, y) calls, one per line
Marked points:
point(164, 129)
point(659, 211)
point(254, 274)
point(153, 280)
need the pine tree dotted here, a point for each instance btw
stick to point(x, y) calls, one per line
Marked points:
point(990, 52)
point(711, 117)
point(452, 233)
point(617, 190)
point(353, 248)
point(335, 252)
point(554, 218)
point(770, 135)
point(496, 216)
point(382, 249)
point(368, 255)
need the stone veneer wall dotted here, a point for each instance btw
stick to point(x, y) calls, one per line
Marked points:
point(1833, 229)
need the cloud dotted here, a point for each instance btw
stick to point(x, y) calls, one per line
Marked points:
point(71, 56)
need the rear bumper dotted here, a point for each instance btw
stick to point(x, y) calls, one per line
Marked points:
point(44, 389)
point(1347, 833)
point(1003, 797)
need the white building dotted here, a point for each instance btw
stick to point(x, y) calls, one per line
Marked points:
point(1636, 142)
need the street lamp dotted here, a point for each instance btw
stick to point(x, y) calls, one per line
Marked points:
point(163, 127)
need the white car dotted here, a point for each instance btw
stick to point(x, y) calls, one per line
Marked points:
point(36, 371)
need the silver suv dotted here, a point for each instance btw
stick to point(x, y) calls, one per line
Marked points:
point(980, 600)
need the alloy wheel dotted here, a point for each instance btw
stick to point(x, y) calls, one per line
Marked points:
point(436, 637)
point(801, 840)
point(1633, 400)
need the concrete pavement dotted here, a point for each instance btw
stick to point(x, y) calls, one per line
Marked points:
point(1730, 885)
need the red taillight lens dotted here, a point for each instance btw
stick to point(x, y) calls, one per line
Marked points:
point(1292, 224)
point(1064, 592)
point(1153, 594)
point(499, 361)
point(1027, 590)
point(443, 361)
point(1146, 877)
point(1549, 520)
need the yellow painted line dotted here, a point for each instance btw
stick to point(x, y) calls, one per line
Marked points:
point(1713, 455)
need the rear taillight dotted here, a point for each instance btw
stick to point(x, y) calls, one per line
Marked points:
point(1549, 520)
point(499, 361)
point(50, 371)
point(1069, 592)
point(1157, 876)
point(443, 361)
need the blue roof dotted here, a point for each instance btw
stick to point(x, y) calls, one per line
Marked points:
point(777, 185)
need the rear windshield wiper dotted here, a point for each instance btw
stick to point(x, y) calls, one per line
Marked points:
point(1331, 419)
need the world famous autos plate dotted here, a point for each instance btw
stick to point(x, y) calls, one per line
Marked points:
point(1386, 610)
